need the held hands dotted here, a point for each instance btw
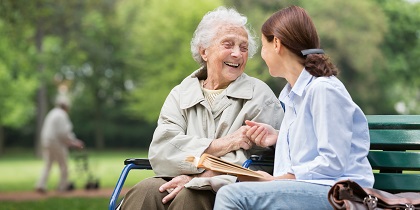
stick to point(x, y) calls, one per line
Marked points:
point(231, 142)
point(261, 134)
point(240, 139)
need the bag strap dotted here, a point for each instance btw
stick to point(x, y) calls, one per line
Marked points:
point(395, 199)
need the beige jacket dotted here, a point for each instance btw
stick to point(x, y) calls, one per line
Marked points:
point(187, 125)
point(57, 130)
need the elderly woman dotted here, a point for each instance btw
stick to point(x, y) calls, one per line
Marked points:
point(206, 113)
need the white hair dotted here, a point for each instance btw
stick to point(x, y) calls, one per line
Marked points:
point(209, 25)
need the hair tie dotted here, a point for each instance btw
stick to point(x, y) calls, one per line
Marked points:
point(312, 51)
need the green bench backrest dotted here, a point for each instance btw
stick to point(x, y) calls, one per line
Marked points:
point(395, 152)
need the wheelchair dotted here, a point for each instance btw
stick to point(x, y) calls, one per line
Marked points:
point(144, 164)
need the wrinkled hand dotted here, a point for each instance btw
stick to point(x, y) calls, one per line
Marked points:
point(230, 142)
point(261, 134)
point(242, 139)
point(174, 186)
point(238, 139)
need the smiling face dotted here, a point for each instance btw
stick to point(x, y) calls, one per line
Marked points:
point(226, 56)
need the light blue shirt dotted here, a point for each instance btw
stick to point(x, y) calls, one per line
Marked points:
point(324, 136)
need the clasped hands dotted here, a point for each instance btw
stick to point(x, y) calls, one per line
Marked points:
point(260, 134)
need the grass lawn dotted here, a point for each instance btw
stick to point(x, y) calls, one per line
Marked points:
point(20, 170)
point(57, 203)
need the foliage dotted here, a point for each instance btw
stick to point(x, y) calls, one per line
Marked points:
point(335, 34)
point(161, 40)
point(121, 58)
point(17, 84)
point(353, 44)
point(257, 12)
point(401, 47)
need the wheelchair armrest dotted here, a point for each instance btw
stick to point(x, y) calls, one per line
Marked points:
point(143, 163)
point(259, 160)
point(131, 163)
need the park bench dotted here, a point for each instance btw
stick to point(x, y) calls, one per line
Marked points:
point(395, 152)
point(394, 155)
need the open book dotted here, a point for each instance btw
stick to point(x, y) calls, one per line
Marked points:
point(214, 163)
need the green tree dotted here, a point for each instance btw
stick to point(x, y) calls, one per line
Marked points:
point(160, 51)
point(257, 12)
point(95, 69)
point(42, 27)
point(350, 32)
point(17, 85)
point(401, 47)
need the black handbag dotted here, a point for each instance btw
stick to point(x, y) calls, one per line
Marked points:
point(347, 194)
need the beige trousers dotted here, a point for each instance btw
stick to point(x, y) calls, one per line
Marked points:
point(51, 155)
point(145, 195)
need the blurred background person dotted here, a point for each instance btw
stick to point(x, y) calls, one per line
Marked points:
point(56, 138)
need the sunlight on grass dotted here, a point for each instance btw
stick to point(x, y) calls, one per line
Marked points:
point(21, 169)
point(57, 203)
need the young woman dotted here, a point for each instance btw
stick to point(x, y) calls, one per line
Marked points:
point(324, 135)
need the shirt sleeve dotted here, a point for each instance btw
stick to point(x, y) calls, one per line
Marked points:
point(331, 110)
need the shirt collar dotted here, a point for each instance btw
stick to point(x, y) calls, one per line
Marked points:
point(303, 80)
point(191, 94)
point(288, 93)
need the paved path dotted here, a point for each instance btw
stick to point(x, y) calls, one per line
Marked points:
point(32, 195)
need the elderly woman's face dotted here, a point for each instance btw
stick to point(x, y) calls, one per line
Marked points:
point(227, 55)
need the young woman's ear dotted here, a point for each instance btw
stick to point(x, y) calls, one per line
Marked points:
point(277, 44)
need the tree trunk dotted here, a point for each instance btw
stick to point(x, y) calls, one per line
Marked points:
point(2, 140)
point(99, 132)
point(41, 98)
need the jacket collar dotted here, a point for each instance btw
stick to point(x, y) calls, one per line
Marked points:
point(191, 94)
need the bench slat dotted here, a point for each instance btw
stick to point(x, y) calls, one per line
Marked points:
point(395, 139)
point(397, 182)
point(394, 160)
point(393, 121)
point(397, 136)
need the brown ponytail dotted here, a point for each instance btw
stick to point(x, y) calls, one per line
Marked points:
point(319, 65)
point(295, 29)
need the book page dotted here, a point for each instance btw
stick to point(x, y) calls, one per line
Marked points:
point(214, 163)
